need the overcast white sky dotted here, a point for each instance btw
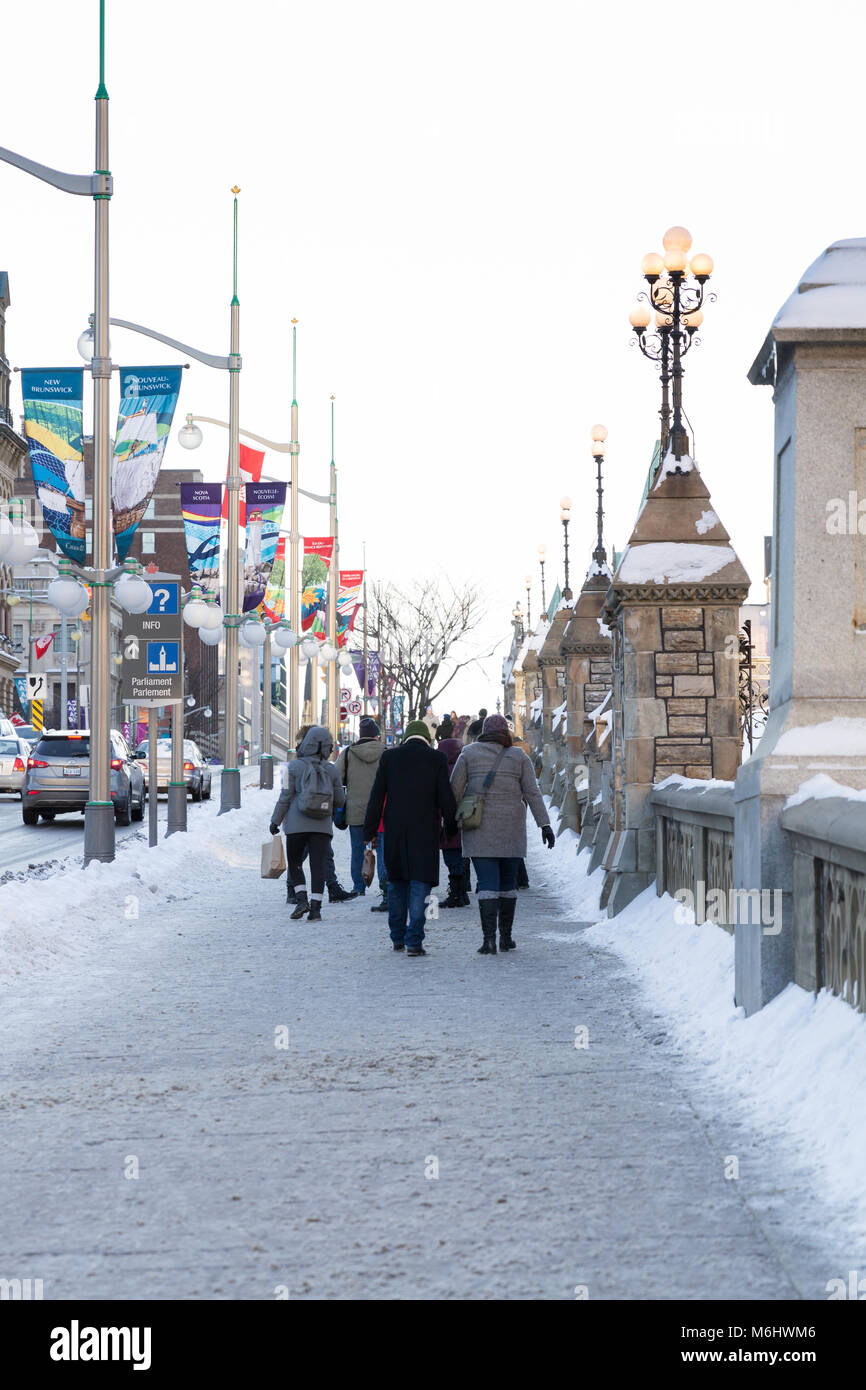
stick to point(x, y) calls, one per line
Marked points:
point(453, 200)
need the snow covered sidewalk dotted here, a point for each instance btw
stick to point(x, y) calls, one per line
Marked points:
point(206, 1100)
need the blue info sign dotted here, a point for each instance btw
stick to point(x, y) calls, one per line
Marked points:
point(166, 596)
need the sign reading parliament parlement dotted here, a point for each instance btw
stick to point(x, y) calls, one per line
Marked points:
point(152, 672)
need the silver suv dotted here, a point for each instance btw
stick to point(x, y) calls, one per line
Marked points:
point(58, 777)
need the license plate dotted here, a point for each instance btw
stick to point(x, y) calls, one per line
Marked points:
point(72, 772)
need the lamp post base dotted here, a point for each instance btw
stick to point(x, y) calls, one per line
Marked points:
point(266, 771)
point(230, 790)
point(99, 832)
point(176, 808)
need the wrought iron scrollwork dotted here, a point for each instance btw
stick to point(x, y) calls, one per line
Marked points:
point(753, 695)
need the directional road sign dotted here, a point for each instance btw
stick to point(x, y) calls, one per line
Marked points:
point(37, 685)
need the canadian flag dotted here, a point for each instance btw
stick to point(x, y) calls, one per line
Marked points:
point(41, 644)
point(250, 468)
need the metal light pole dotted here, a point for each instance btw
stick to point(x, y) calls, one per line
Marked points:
point(599, 435)
point(294, 548)
point(528, 582)
point(364, 695)
point(677, 304)
point(332, 672)
point(564, 514)
point(542, 551)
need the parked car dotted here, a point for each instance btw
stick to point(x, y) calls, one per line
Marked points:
point(14, 753)
point(27, 732)
point(58, 777)
point(196, 771)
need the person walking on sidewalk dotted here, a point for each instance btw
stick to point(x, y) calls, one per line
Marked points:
point(499, 842)
point(336, 891)
point(356, 767)
point(412, 788)
point(305, 809)
point(452, 847)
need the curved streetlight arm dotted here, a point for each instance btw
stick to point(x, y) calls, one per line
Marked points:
point(225, 364)
point(269, 444)
point(85, 185)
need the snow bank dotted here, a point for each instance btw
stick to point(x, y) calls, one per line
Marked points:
point(673, 562)
point(834, 736)
point(46, 921)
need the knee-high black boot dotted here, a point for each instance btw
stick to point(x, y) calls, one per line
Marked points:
point(506, 921)
point(488, 908)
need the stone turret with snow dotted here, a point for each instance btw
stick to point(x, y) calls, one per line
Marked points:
point(673, 609)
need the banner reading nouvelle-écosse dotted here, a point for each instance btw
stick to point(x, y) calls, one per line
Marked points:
point(201, 504)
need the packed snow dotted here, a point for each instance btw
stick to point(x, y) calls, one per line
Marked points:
point(706, 522)
point(819, 788)
point(841, 735)
point(673, 562)
point(671, 465)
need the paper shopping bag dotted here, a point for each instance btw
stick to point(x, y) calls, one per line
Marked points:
point(273, 857)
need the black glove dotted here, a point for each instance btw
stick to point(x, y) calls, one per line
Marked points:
point(274, 829)
point(548, 836)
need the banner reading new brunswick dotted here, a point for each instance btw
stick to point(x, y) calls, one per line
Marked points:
point(347, 603)
point(148, 396)
point(200, 505)
point(274, 601)
point(264, 516)
point(314, 585)
point(53, 417)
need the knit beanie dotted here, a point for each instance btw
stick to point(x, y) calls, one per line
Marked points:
point(495, 724)
point(417, 728)
point(368, 728)
point(446, 729)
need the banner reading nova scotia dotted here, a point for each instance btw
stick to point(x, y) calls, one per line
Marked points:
point(314, 585)
point(265, 503)
point(200, 505)
point(148, 396)
point(53, 418)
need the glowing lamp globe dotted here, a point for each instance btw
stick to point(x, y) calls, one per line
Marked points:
point(652, 264)
point(701, 266)
point(677, 239)
point(639, 317)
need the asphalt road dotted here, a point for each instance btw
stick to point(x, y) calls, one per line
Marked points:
point(22, 845)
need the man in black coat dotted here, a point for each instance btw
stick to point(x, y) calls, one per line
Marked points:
point(412, 786)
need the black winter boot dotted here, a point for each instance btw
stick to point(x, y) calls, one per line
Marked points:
point(506, 921)
point(338, 894)
point(455, 891)
point(315, 912)
point(291, 894)
point(467, 883)
point(488, 908)
point(383, 905)
point(302, 906)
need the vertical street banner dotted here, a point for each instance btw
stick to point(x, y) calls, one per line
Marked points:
point(200, 505)
point(148, 396)
point(314, 585)
point(373, 668)
point(347, 603)
point(265, 503)
point(250, 468)
point(274, 601)
point(53, 421)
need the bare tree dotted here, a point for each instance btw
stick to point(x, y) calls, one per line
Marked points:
point(421, 635)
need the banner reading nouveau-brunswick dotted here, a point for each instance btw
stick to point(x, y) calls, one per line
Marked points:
point(200, 507)
point(148, 396)
point(314, 585)
point(53, 418)
point(264, 515)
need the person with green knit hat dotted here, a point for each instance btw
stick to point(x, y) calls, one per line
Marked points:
point(413, 793)
point(416, 728)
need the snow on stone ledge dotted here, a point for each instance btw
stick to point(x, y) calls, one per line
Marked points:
point(819, 788)
point(673, 562)
point(706, 521)
point(676, 779)
point(672, 465)
point(838, 736)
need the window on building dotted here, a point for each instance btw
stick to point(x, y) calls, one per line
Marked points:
point(18, 634)
point(148, 542)
point(88, 508)
point(150, 510)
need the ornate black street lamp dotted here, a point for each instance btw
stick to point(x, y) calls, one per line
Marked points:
point(564, 514)
point(676, 300)
point(542, 552)
point(599, 435)
point(528, 582)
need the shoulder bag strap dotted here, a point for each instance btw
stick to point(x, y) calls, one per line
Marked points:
point(488, 780)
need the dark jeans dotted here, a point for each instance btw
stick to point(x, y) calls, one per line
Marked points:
point(454, 861)
point(497, 878)
point(318, 846)
point(407, 899)
point(356, 835)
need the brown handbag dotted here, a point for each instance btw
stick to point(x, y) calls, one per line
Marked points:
point(368, 868)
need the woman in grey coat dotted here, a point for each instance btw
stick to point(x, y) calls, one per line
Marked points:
point(306, 833)
point(498, 845)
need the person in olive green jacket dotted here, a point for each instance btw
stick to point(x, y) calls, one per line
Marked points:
point(356, 768)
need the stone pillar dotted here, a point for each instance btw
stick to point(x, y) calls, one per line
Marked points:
point(815, 359)
point(586, 646)
point(674, 604)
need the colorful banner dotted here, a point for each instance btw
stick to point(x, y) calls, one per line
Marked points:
point(41, 644)
point(274, 601)
point(200, 508)
point(250, 468)
point(148, 396)
point(314, 585)
point(347, 603)
point(265, 503)
point(373, 668)
point(20, 683)
point(53, 419)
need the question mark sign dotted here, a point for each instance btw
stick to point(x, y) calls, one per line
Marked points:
point(163, 596)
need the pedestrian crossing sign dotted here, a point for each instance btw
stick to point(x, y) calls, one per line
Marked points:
point(163, 658)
